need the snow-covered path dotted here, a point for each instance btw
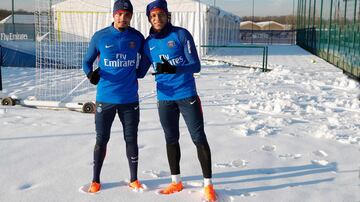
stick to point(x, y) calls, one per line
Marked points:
point(292, 134)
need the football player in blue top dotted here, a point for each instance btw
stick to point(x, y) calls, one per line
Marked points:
point(173, 54)
point(117, 47)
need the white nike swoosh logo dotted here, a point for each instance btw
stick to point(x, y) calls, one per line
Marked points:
point(152, 48)
point(136, 108)
point(106, 46)
point(192, 102)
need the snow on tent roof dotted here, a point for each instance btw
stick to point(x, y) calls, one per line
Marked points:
point(173, 5)
point(19, 19)
point(82, 5)
point(249, 25)
point(271, 25)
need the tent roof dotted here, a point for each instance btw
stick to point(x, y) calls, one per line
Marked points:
point(173, 5)
point(270, 24)
point(267, 25)
point(84, 5)
point(249, 25)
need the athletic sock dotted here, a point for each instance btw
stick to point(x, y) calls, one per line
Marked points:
point(176, 178)
point(207, 181)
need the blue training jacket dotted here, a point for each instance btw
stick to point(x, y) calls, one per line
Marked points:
point(118, 57)
point(177, 46)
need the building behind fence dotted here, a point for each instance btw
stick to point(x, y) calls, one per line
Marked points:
point(21, 28)
point(331, 30)
point(268, 36)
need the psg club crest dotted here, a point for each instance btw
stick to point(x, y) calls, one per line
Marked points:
point(132, 44)
point(171, 44)
point(99, 108)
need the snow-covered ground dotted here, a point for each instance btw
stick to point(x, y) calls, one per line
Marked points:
point(291, 134)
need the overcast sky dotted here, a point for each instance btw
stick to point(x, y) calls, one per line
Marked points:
point(239, 7)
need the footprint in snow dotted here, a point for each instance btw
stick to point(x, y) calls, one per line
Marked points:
point(320, 162)
point(156, 174)
point(239, 163)
point(25, 186)
point(141, 146)
point(320, 153)
point(3, 111)
point(233, 164)
point(193, 184)
point(290, 156)
point(243, 132)
point(247, 194)
point(269, 148)
point(222, 165)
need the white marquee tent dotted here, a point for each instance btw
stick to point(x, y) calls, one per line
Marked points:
point(81, 18)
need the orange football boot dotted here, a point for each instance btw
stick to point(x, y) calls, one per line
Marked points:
point(136, 185)
point(172, 188)
point(94, 187)
point(209, 193)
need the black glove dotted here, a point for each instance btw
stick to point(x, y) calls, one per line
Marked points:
point(94, 76)
point(165, 68)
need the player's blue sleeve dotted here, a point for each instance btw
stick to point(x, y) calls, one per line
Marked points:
point(193, 65)
point(90, 56)
point(144, 63)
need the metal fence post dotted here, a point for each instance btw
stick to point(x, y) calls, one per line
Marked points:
point(0, 79)
point(263, 64)
point(266, 57)
point(330, 27)
point(1, 59)
point(313, 32)
point(321, 28)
